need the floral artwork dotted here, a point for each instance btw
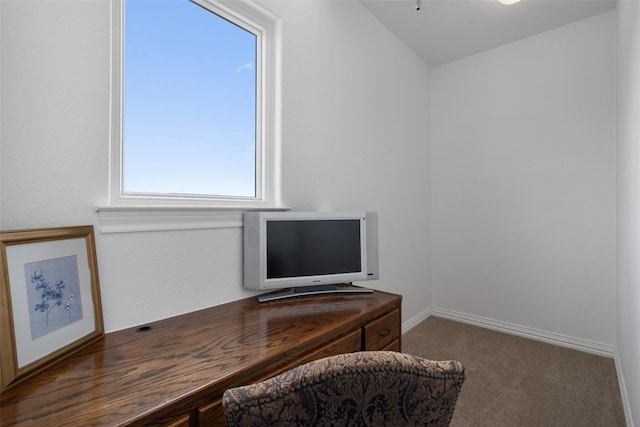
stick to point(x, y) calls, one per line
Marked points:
point(53, 290)
point(50, 298)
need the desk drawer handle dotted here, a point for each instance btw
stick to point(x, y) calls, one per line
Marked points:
point(383, 333)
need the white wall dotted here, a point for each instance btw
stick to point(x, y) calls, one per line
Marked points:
point(355, 136)
point(628, 127)
point(523, 183)
point(356, 132)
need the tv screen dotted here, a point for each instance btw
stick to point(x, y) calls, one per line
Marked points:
point(313, 247)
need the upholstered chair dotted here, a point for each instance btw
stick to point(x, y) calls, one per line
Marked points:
point(369, 388)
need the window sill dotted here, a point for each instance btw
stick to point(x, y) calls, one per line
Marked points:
point(132, 219)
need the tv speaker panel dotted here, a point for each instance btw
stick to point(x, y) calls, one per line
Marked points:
point(372, 246)
point(251, 250)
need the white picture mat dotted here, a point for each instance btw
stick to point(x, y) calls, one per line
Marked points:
point(29, 350)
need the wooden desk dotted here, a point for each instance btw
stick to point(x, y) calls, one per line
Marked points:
point(175, 373)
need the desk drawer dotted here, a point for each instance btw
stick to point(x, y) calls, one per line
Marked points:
point(380, 332)
point(347, 344)
point(213, 414)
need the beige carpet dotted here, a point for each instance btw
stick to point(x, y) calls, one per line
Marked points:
point(513, 381)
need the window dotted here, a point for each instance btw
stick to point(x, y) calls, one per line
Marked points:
point(195, 120)
point(189, 102)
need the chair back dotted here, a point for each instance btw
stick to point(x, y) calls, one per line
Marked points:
point(369, 388)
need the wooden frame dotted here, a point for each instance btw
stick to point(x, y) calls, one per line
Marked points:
point(49, 296)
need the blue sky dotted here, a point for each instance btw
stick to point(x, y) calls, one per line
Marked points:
point(189, 101)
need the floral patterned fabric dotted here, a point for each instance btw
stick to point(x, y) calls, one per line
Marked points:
point(369, 388)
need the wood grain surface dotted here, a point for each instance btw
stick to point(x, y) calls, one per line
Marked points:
point(168, 371)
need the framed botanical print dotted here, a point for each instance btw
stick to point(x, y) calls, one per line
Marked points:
point(49, 296)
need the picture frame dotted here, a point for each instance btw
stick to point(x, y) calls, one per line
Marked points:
point(49, 298)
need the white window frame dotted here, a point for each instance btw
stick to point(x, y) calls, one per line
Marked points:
point(126, 212)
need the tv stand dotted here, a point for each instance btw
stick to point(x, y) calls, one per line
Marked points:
point(346, 288)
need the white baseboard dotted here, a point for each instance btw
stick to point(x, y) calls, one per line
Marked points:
point(511, 328)
point(623, 392)
point(409, 324)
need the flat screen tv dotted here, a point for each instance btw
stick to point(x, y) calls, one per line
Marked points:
point(309, 252)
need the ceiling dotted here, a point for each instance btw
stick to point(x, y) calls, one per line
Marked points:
point(445, 30)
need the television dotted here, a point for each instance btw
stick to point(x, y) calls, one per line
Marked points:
point(305, 253)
